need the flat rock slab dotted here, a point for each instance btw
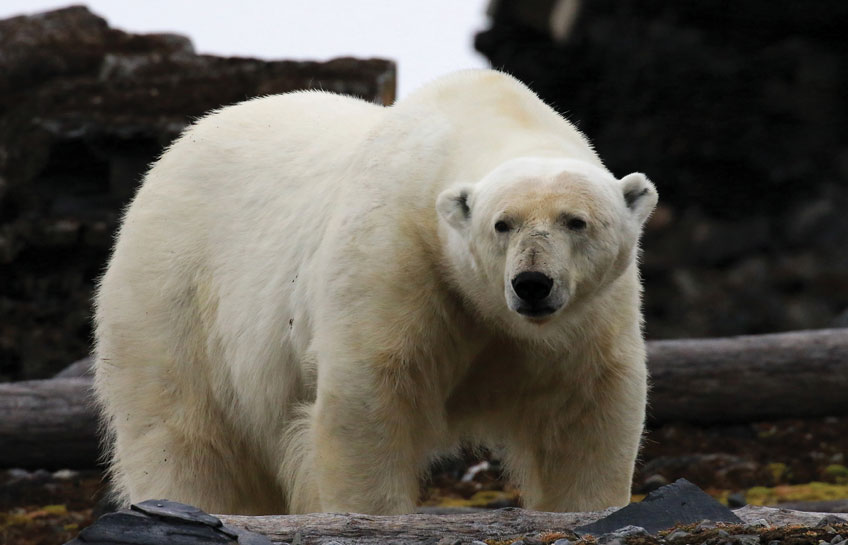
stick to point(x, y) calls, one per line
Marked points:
point(160, 522)
point(678, 503)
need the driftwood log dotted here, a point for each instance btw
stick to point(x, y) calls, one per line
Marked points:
point(48, 424)
point(502, 524)
point(353, 529)
point(750, 378)
point(161, 521)
point(51, 423)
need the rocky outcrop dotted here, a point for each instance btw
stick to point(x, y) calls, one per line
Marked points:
point(737, 113)
point(84, 108)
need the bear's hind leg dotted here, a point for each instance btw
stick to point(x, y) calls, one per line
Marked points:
point(215, 473)
point(170, 440)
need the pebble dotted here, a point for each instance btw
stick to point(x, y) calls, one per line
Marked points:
point(478, 542)
point(17, 473)
point(759, 523)
point(563, 542)
point(705, 525)
point(677, 534)
point(616, 538)
point(746, 539)
point(737, 499)
point(65, 474)
point(653, 482)
point(838, 538)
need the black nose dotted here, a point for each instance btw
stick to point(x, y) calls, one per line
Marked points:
point(532, 286)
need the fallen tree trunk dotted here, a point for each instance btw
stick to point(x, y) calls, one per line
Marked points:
point(51, 423)
point(750, 378)
point(161, 521)
point(48, 424)
point(502, 524)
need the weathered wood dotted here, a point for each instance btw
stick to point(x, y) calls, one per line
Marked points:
point(51, 423)
point(47, 424)
point(352, 529)
point(355, 529)
point(751, 378)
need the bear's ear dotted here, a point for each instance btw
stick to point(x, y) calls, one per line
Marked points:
point(452, 205)
point(640, 195)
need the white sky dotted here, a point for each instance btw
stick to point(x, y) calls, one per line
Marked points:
point(427, 38)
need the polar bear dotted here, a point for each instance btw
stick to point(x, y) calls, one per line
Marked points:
point(311, 297)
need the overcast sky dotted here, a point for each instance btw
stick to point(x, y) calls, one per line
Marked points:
point(426, 38)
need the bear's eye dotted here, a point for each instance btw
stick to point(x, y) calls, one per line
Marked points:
point(576, 224)
point(502, 227)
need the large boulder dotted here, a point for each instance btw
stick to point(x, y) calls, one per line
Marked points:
point(84, 108)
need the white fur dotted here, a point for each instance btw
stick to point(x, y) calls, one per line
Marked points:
point(287, 325)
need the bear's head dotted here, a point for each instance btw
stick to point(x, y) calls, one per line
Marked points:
point(537, 236)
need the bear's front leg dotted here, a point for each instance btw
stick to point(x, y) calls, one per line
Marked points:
point(576, 451)
point(370, 443)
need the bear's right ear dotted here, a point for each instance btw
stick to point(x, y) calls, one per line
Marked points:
point(452, 205)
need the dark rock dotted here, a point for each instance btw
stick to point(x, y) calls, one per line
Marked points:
point(154, 522)
point(739, 127)
point(84, 108)
point(736, 499)
point(829, 520)
point(175, 511)
point(678, 503)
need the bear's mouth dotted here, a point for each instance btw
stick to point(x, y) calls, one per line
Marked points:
point(536, 313)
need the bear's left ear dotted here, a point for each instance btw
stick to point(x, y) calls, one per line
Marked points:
point(640, 195)
point(452, 205)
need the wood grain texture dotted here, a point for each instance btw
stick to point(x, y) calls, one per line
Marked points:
point(353, 529)
point(408, 529)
